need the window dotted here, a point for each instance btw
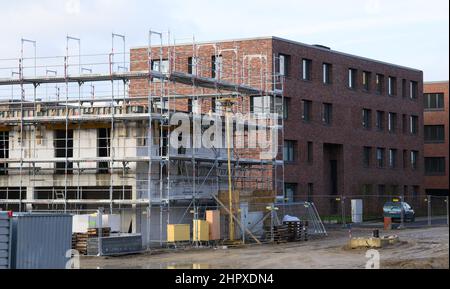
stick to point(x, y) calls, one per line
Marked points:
point(380, 157)
point(307, 108)
point(367, 156)
point(433, 101)
point(192, 65)
point(352, 78)
point(435, 166)
point(327, 113)
point(414, 124)
point(327, 72)
point(286, 102)
point(257, 104)
point(434, 133)
point(103, 149)
point(392, 86)
point(310, 191)
point(414, 158)
point(392, 122)
point(366, 80)
point(4, 151)
point(194, 106)
point(392, 158)
point(160, 66)
point(213, 104)
point(265, 104)
point(289, 151)
point(290, 190)
point(367, 189)
point(379, 79)
point(413, 89)
point(404, 88)
point(380, 120)
point(63, 144)
point(310, 152)
point(216, 66)
point(405, 123)
point(366, 118)
point(306, 69)
point(381, 190)
point(405, 159)
point(217, 106)
point(284, 64)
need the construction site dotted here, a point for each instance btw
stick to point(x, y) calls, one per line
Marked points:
point(92, 135)
point(180, 146)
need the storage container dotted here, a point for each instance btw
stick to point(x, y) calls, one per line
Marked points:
point(40, 241)
point(178, 233)
point(200, 231)
point(213, 219)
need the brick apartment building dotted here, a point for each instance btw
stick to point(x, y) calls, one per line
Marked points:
point(353, 126)
point(436, 117)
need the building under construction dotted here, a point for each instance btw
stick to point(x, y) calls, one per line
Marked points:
point(80, 132)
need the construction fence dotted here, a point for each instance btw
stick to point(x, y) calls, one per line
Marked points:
point(428, 210)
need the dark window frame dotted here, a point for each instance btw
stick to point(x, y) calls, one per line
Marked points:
point(434, 133)
point(327, 114)
point(366, 75)
point(392, 86)
point(367, 118)
point(352, 78)
point(381, 161)
point(307, 110)
point(437, 99)
point(379, 79)
point(288, 146)
point(433, 169)
point(306, 69)
point(327, 73)
point(380, 119)
point(367, 157)
point(310, 152)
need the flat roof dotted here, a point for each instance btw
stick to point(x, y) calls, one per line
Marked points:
point(436, 82)
point(296, 43)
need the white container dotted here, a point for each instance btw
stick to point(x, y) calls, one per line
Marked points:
point(81, 223)
point(357, 211)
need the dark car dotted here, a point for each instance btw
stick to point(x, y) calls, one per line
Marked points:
point(394, 211)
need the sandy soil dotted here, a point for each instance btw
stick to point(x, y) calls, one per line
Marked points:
point(419, 248)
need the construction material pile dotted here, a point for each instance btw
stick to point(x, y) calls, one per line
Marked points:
point(80, 240)
point(290, 231)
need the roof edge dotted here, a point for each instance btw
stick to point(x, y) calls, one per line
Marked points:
point(295, 43)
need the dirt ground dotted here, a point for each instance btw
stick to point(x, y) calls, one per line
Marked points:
point(418, 248)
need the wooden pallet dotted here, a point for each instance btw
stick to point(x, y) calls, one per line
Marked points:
point(80, 240)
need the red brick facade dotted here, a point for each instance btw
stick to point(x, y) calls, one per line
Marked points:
point(437, 184)
point(336, 163)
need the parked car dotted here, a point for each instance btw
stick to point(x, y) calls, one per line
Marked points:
point(394, 211)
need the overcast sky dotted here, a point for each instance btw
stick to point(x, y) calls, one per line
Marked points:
point(413, 33)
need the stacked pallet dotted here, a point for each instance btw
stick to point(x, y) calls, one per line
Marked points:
point(298, 230)
point(279, 234)
point(93, 233)
point(80, 240)
point(295, 230)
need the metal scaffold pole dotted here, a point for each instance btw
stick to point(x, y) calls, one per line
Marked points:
point(134, 102)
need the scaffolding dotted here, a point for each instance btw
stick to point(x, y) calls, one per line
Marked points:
point(129, 99)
